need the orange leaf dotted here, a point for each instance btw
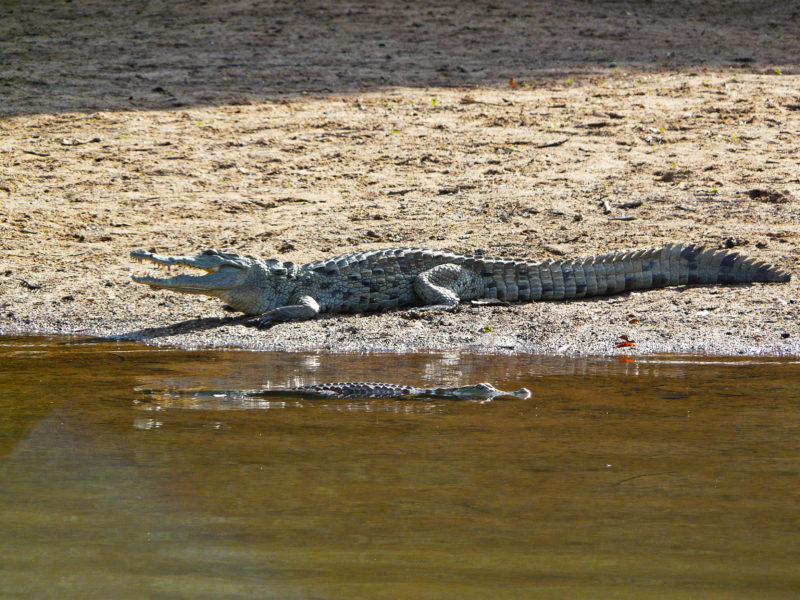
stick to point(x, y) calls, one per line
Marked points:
point(512, 83)
point(625, 345)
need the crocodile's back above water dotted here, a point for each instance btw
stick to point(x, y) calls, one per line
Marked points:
point(364, 389)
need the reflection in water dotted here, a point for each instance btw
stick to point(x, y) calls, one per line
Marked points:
point(151, 400)
point(663, 477)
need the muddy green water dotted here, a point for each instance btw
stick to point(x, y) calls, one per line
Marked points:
point(662, 477)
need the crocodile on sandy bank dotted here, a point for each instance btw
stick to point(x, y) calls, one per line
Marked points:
point(384, 279)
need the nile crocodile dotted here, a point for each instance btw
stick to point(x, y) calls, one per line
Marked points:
point(361, 389)
point(377, 280)
point(210, 399)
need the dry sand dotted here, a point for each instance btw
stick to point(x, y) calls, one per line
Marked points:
point(303, 130)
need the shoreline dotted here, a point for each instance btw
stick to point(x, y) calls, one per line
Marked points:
point(709, 320)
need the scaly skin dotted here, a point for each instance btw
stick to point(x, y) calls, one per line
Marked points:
point(220, 399)
point(390, 278)
point(360, 389)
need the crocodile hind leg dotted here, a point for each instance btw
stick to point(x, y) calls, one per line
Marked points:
point(443, 286)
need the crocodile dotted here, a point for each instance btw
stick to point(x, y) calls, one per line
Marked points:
point(424, 279)
point(349, 390)
point(361, 389)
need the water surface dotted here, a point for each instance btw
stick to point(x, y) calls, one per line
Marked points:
point(121, 477)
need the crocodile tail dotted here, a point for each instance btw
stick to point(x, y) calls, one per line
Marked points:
point(674, 264)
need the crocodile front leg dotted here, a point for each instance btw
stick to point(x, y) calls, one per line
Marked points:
point(444, 286)
point(306, 308)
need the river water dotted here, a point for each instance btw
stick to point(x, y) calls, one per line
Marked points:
point(136, 472)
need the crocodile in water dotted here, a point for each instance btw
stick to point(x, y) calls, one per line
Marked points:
point(361, 389)
point(211, 399)
point(384, 279)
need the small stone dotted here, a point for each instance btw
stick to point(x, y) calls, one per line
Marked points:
point(785, 335)
point(667, 177)
point(766, 195)
point(632, 204)
point(732, 242)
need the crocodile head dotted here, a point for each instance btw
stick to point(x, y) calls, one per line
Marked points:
point(488, 391)
point(248, 284)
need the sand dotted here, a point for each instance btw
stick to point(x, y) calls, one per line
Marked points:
point(304, 130)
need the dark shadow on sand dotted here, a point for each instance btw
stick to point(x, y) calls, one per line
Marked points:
point(95, 55)
point(188, 326)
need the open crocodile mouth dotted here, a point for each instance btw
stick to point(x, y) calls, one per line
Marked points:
point(219, 274)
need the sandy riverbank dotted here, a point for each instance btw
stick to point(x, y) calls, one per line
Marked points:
point(265, 131)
